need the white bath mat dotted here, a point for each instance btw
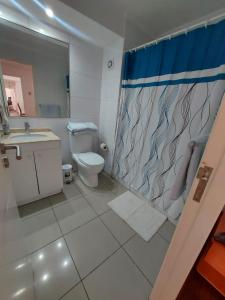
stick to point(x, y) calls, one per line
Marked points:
point(138, 214)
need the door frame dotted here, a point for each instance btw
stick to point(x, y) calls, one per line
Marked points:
point(197, 219)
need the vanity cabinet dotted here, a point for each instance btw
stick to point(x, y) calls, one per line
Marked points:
point(38, 174)
point(24, 177)
point(48, 167)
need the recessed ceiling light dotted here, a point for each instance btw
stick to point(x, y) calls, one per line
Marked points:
point(49, 12)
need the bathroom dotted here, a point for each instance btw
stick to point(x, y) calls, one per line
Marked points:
point(92, 165)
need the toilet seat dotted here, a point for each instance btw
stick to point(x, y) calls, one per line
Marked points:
point(90, 159)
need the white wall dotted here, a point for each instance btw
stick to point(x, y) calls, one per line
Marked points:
point(85, 81)
point(110, 99)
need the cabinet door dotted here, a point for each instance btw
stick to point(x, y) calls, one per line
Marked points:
point(49, 174)
point(24, 177)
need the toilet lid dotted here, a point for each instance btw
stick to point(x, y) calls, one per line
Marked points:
point(91, 159)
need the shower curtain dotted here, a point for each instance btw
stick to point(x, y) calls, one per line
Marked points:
point(170, 95)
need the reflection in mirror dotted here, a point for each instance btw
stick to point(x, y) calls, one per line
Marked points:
point(35, 73)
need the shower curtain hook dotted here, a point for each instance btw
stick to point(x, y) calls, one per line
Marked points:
point(206, 24)
point(156, 42)
point(170, 37)
point(186, 31)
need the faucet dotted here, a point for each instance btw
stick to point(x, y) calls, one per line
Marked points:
point(3, 149)
point(27, 127)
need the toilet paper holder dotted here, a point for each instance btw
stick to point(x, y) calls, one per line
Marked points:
point(103, 147)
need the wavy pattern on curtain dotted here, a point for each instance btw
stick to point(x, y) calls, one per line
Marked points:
point(171, 93)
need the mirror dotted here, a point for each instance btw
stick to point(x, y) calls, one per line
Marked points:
point(35, 73)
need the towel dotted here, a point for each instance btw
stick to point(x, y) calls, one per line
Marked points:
point(76, 127)
point(188, 169)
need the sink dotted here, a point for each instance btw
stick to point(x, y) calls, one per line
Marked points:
point(27, 137)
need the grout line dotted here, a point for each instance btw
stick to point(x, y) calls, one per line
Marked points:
point(68, 291)
point(71, 256)
point(122, 247)
point(76, 268)
point(64, 234)
point(168, 242)
point(121, 244)
point(151, 284)
point(98, 266)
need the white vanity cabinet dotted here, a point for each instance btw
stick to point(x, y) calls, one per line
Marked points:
point(24, 178)
point(38, 174)
point(48, 167)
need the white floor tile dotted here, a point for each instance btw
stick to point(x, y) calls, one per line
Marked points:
point(16, 281)
point(78, 293)
point(40, 230)
point(117, 279)
point(99, 201)
point(54, 271)
point(147, 255)
point(117, 226)
point(73, 214)
point(71, 190)
point(90, 245)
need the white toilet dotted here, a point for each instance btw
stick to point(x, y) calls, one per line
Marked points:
point(89, 164)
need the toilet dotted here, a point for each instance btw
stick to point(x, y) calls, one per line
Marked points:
point(89, 164)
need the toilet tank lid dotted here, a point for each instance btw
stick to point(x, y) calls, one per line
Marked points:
point(78, 127)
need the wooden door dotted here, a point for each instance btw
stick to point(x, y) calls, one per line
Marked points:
point(197, 219)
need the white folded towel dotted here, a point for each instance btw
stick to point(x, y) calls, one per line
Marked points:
point(76, 127)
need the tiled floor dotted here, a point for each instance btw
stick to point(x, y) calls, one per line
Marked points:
point(80, 249)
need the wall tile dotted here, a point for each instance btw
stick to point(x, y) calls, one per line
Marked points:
point(85, 86)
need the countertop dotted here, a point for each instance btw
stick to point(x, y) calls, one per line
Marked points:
point(46, 135)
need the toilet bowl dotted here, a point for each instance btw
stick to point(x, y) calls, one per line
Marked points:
point(89, 165)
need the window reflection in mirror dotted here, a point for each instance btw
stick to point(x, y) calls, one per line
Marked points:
point(35, 71)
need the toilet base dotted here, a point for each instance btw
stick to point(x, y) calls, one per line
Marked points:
point(90, 180)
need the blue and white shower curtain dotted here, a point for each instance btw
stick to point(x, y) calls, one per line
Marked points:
point(170, 95)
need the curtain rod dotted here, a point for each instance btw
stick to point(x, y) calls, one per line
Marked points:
point(186, 30)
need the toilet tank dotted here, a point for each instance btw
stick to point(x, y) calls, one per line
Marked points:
point(82, 142)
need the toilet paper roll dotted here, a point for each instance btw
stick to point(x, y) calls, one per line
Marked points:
point(103, 147)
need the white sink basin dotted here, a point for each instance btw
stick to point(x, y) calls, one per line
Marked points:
point(27, 137)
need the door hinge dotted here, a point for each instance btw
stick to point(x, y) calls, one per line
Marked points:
point(203, 175)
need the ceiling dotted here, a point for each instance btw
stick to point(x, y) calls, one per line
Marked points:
point(151, 18)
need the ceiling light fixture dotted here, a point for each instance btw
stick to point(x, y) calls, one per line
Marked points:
point(49, 12)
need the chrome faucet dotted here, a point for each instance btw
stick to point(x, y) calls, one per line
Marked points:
point(3, 149)
point(27, 127)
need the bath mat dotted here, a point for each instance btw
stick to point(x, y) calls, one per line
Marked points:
point(138, 214)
